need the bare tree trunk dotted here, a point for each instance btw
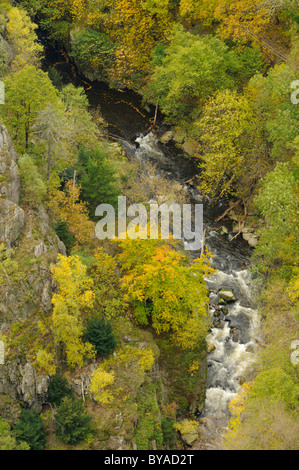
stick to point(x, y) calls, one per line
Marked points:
point(228, 210)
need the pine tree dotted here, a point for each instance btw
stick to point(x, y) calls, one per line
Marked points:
point(58, 389)
point(97, 179)
point(100, 334)
point(30, 428)
point(72, 421)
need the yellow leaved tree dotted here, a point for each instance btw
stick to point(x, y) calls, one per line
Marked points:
point(137, 27)
point(67, 207)
point(21, 34)
point(99, 382)
point(262, 22)
point(73, 298)
point(166, 289)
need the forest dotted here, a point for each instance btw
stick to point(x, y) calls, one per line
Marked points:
point(106, 340)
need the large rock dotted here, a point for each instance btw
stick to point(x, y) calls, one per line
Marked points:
point(167, 137)
point(227, 295)
point(12, 217)
point(250, 238)
point(9, 180)
point(33, 387)
point(13, 221)
point(189, 431)
point(21, 382)
point(210, 346)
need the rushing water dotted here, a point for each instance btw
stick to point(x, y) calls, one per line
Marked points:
point(235, 331)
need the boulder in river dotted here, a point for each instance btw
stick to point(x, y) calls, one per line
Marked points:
point(167, 137)
point(227, 296)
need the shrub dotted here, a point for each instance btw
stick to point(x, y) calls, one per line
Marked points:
point(72, 422)
point(7, 440)
point(167, 425)
point(30, 428)
point(100, 334)
point(58, 389)
point(34, 189)
point(97, 179)
point(64, 234)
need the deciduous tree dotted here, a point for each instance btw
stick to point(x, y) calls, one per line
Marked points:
point(21, 35)
point(67, 207)
point(27, 93)
point(166, 291)
point(75, 295)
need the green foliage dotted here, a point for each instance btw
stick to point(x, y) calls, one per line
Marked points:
point(250, 62)
point(7, 440)
point(109, 298)
point(55, 77)
point(73, 423)
point(84, 130)
point(92, 49)
point(277, 201)
point(168, 430)
point(156, 275)
point(100, 334)
point(276, 384)
point(30, 428)
point(58, 389)
point(270, 96)
point(181, 386)
point(223, 123)
point(149, 419)
point(64, 234)
point(97, 179)
point(158, 54)
point(3, 60)
point(33, 186)
point(192, 69)
point(9, 268)
point(27, 92)
point(74, 97)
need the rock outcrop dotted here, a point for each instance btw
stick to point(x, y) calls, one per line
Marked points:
point(35, 244)
point(35, 247)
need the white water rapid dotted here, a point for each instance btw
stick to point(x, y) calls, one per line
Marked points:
point(233, 338)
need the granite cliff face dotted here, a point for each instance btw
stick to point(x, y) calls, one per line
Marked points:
point(12, 217)
point(29, 289)
point(34, 242)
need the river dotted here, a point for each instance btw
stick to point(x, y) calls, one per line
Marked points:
point(234, 335)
